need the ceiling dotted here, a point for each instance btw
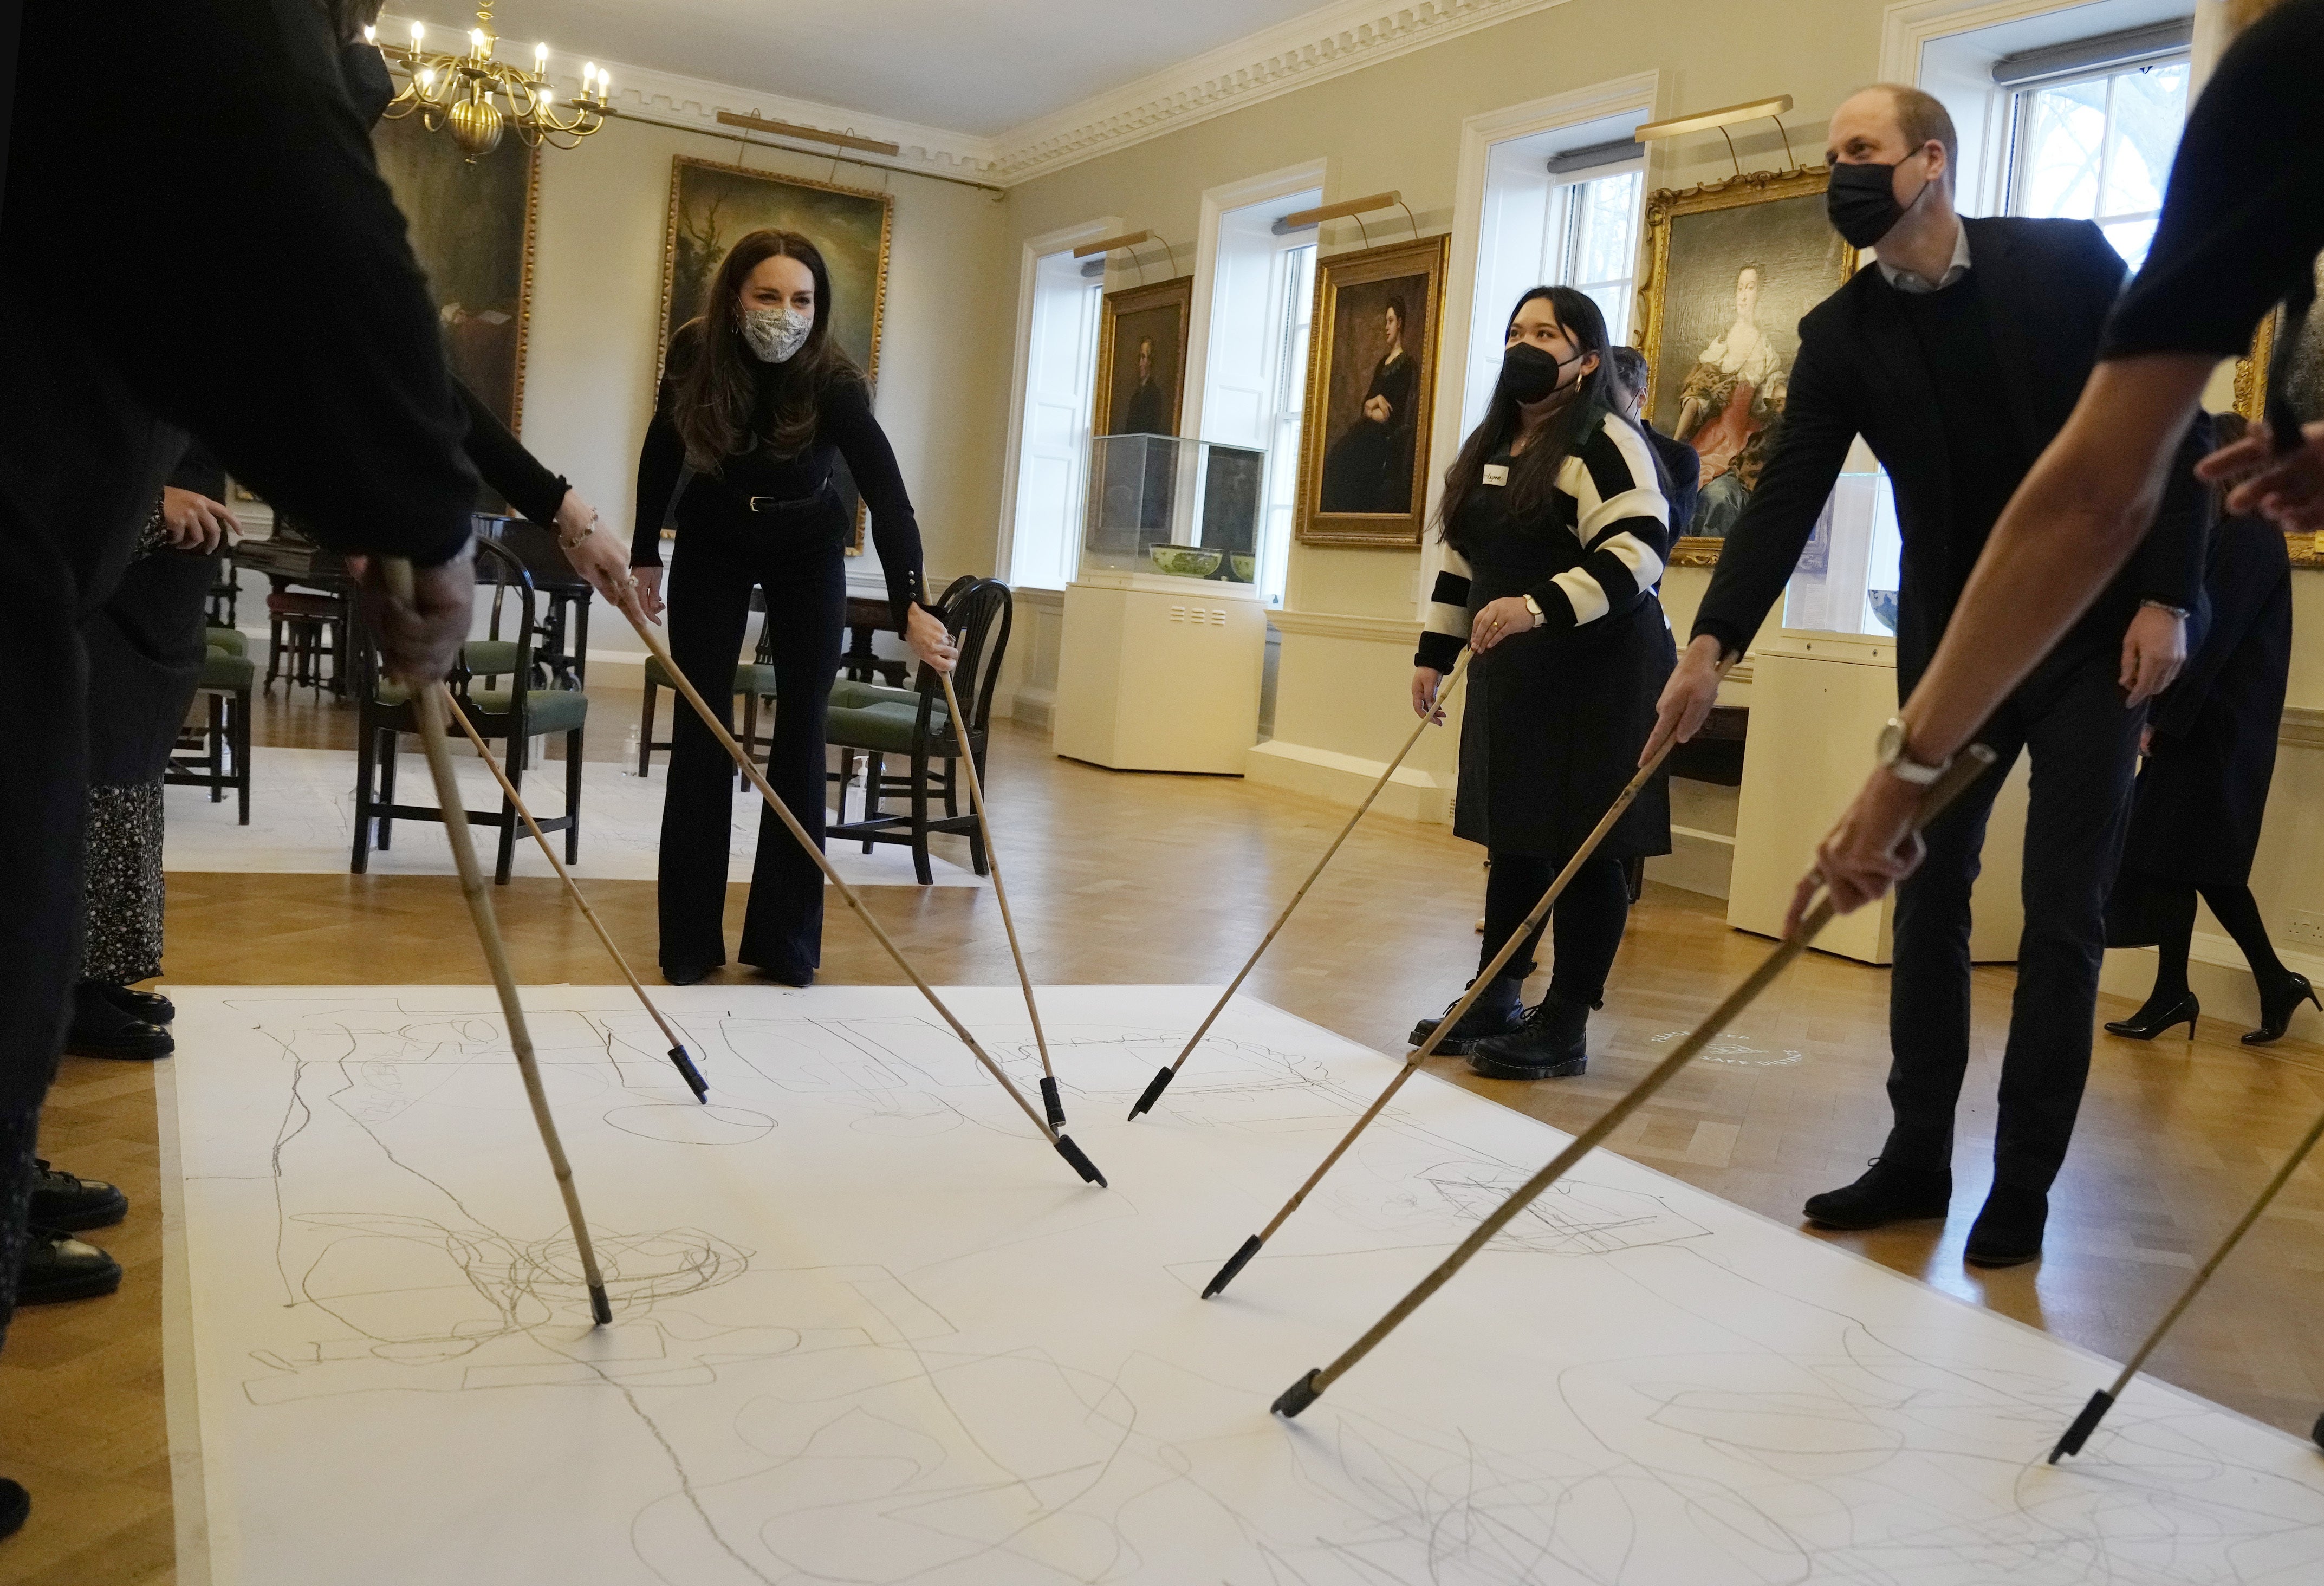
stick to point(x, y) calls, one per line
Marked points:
point(980, 67)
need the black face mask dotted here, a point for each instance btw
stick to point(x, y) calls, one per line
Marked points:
point(1528, 374)
point(363, 69)
point(1861, 202)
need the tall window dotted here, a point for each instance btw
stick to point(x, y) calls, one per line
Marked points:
point(1554, 218)
point(1600, 245)
point(1053, 447)
point(1255, 371)
point(2098, 146)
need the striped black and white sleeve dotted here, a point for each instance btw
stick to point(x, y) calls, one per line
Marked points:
point(1622, 521)
point(1445, 634)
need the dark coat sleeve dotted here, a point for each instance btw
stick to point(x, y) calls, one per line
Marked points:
point(305, 352)
point(501, 457)
point(849, 425)
point(1757, 560)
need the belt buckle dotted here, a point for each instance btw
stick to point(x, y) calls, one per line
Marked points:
point(769, 500)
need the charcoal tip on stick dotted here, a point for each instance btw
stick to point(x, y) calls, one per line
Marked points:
point(1153, 1089)
point(1052, 1103)
point(1299, 1395)
point(1235, 1263)
point(692, 1075)
point(600, 1306)
point(2084, 1425)
point(1080, 1159)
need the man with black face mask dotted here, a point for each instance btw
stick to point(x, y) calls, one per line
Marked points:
point(1956, 357)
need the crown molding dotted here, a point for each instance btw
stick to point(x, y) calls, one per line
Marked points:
point(1330, 41)
point(675, 96)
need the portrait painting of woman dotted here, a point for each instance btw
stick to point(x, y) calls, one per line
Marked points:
point(1371, 390)
point(1736, 386)
point(1368, 467)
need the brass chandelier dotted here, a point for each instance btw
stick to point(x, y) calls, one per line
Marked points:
point(480, 98)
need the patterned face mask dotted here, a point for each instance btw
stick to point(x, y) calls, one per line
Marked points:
point(776, 333)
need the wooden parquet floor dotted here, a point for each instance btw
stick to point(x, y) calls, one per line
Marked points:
point(1159, 880)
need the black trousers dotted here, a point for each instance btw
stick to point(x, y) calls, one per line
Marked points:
point(2070, 717)
point(801, 564)
point(1588, 916)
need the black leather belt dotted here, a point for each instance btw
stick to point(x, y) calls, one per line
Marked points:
point(775, 504)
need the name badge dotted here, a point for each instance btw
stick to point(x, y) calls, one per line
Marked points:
point(1496, 473)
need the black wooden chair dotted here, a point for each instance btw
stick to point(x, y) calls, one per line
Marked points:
point(915, 724)
point(513, 711)
point(754, 684)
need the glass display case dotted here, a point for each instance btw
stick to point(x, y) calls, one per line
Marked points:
point(1163, 505)
point(1848, 573)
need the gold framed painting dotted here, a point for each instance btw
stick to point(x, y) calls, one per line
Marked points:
point(1731, 266)
point(1141, 359)
point(2305, 380)
point(1372, 393)
point(712, 206)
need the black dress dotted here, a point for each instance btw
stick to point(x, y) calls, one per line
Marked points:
point(2195, 817)
point(1556, 716)
point(1369, 469)
point(780, 524)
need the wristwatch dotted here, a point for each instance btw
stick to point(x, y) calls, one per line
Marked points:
point(1534, 606)
point(1898, 763)
point(2179, 611)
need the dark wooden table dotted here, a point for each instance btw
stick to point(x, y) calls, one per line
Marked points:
point(289, 560)
point(866, 614)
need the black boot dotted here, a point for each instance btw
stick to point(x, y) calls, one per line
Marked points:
point(1549, 1044)
point(59, 1267)
point(2008, 1231)
point(1899, 1188)
point(15, 1506)
point(1498, 1012)
point(2158, 1015)
point(2276, 1003)
point(69, 1205)
point(101, 1029)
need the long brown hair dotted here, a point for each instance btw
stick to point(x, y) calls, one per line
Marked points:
point(716, 374)
point(1534, 471)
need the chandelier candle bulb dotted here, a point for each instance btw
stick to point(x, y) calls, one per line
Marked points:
point(419, 33)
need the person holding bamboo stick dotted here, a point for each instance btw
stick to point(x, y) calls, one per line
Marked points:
point(1555, 530)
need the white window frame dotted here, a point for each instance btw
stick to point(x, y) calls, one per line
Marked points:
point(1032, 252)
point(2017, 153)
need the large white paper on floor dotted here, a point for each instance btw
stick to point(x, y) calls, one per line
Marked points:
point(302, 819)
point(869, 1329)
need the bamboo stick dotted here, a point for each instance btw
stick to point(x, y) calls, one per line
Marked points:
point(678, 1056)
point(1971, 764)
point(428, 705)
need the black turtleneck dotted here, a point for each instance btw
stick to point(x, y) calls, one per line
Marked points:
point(845, 430)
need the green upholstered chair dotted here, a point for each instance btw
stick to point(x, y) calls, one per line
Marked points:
point(228, 677)
point(497, 686)
point(754, 682)
point(914, 725)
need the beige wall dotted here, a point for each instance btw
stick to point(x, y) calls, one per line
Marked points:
point(595, 330)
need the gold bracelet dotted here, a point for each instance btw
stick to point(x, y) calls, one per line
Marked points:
point(575, 543)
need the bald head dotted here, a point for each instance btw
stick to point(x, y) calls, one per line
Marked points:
point(1889, 122)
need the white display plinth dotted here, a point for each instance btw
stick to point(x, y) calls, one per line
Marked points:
point(1161, 674)
point(1818, 703)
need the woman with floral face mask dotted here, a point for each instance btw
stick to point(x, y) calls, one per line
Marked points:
point(759, 407)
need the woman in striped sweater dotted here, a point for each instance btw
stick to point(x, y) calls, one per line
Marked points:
point(1555, 530)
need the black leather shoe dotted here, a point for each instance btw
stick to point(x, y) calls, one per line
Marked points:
point(1549, 1045)
point(2008, 1231)
point(687, 974)
point(1501, 1011)
point(1890, 1191)
point(2319, 1433)
point(59, 1267)
point(100, 1029)
point(69, 1205)
point(2154, 1018)
point(797, 978)
point(15, 1506)
point(2277, 1005)
point(149, 1006)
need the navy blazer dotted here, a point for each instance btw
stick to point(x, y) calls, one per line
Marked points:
point(2048, 286)
point(1683, 464)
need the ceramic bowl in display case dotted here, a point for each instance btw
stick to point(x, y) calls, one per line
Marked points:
point(1187, 561)
point(1244, 568)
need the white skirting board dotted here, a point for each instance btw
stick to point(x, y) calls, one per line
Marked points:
point(302, 804)
point(869, 1328)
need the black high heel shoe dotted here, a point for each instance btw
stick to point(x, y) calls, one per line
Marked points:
point(2152, 1020)
point(2276, 1004)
